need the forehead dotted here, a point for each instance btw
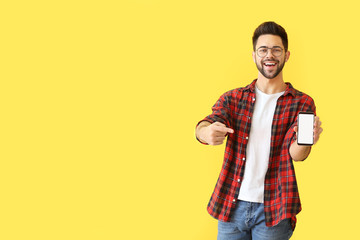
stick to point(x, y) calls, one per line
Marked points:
point(269, 40)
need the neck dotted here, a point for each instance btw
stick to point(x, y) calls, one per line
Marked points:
point(271, 86)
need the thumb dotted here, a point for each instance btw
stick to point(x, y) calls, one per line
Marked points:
point(219, 124)
point(295, 129)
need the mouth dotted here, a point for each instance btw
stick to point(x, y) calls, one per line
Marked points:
point(269, 65)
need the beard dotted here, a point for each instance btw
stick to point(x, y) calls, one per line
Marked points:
point(273, 74)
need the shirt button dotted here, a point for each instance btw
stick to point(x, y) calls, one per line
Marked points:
point(244, 159)
point(239, 180)
point(247, 137)
point(253, 99)
point(234, 200)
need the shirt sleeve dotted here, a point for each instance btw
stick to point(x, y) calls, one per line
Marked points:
point(221, 112)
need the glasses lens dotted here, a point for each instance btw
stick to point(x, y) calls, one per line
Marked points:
point(262, 51)
point(276, 52)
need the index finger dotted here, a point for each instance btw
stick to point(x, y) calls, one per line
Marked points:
point(223, 129)
point(317, 121)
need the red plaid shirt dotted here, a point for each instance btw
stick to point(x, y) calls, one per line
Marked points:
point(281, 197)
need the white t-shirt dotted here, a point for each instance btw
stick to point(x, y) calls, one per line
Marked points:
point(258, 148)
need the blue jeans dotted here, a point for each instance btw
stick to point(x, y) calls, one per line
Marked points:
point(248, 223)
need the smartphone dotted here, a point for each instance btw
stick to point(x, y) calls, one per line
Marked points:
point(305, 135)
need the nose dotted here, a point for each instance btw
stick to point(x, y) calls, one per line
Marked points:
point(270, 53)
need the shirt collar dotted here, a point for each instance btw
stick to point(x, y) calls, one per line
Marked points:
point(289, 88)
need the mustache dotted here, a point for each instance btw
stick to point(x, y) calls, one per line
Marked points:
point(273, 60)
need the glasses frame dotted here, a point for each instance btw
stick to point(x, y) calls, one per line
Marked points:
point(267, 52)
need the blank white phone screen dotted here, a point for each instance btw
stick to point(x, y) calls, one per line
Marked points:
point(306, 128)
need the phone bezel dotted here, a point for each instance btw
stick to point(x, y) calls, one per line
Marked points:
point(305, 144)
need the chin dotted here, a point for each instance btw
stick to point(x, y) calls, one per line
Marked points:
point(267, 76)
point(271, 77)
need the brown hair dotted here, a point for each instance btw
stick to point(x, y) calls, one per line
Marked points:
point(270, 28)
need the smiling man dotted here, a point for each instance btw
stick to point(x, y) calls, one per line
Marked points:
point(256, 195)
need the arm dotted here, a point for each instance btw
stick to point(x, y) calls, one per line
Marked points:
point(299, 153)
point(213, 129)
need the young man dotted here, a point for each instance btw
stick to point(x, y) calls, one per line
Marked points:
point(256, 195)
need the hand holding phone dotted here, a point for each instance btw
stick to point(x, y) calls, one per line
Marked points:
point(305, 134)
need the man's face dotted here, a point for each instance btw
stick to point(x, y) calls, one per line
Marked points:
point(270, 65)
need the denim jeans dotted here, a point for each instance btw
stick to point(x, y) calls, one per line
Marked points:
point(248, 222)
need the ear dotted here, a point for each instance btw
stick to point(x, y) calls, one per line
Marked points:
point(254, 57)
point(287, 56)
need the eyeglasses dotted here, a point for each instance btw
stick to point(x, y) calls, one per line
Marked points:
point(263, 51)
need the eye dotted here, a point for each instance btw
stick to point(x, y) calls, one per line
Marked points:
point(262, 50)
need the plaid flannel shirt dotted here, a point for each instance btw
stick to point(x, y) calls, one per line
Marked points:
point(281, 197)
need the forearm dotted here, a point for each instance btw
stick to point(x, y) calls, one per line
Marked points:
point(299, 152)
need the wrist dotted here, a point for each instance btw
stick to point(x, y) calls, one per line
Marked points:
point(299, 152)
point(200, 134)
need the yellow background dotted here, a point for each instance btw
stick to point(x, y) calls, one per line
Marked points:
point(99, 100)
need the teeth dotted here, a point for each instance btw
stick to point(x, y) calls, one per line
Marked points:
point(269, 64)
